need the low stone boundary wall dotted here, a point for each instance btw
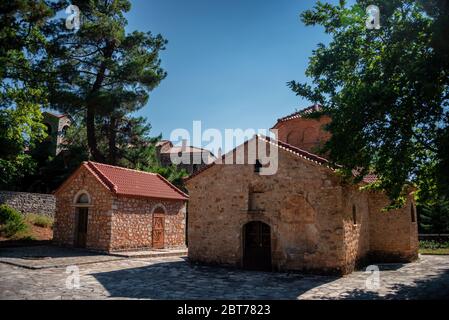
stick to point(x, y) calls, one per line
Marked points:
point(37, 203)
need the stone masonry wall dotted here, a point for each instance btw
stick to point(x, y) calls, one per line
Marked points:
point(393, 234)
point(302, 203)
point(99, 216)
point(114, 223)
point(37, 203)
point(355, 216)
point(133, 219)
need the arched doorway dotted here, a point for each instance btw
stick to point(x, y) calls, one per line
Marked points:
point(82, 203)
point(257, 246)
point(158, 227)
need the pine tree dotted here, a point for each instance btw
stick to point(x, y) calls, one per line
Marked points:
point(104, 74)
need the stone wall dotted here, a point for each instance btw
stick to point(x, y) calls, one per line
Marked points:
point(394, 233)
point(132, 222)
point(301, 203)
point(24, 202)
point(317, 223)
point(100, 211)
point(355, 216)
point(114, 223)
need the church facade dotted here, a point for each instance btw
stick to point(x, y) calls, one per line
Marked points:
point(303, 217)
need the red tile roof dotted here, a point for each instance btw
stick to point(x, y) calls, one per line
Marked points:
point(299, 114)
point(369, 178)
point(296, 151)
point(128, 182)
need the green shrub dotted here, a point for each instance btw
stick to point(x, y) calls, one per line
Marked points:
point(40, 221)
point(432, 244)
point(9, 214)
point(10, 228)
point(11, 221)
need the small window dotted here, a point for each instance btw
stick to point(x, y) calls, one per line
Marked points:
point(257, 166)
point(354, 214)
point(412, 212)
point(64, 130)
point(83, 199)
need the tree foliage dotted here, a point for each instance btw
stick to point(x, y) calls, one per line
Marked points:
point(434, 218)
point(386, 90)
point(100, 75)
point(22, 62)
point(104, 74)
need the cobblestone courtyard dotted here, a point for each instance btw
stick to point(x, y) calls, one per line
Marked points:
point(174, 278)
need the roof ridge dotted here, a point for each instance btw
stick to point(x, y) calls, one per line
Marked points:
point(121, 168)
point(305, 153)
point(278, 143)
point(298, 114)
point(114, 187)
point(101, 175)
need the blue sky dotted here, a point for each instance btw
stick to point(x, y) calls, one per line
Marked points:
point(228, 61)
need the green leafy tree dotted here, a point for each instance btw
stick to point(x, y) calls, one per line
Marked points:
point(104, 74)
point(22, 64)
point(136, 148)
point(137, 153)
point(386, 90)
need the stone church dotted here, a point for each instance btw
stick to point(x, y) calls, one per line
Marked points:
point(303, 217)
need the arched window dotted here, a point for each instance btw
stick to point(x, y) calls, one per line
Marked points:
point(354, 214)
point(159, 210)
point(83, 198)
point(64, 130)
point(412, 212)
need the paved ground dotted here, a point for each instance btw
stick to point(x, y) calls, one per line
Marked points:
point(174, 278)
point(43, 257)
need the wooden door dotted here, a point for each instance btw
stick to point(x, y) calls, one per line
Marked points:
point(257, 246)
point(81, 227)
point(158, 230)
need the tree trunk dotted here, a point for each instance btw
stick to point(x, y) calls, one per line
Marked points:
point(112, 133)
point(90, 116)
point(91, 136)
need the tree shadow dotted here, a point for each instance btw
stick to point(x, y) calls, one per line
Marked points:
point(181, 280)
point(42, 257)
point(435, 287)
point(45, 251)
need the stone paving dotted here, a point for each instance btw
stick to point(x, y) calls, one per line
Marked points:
point(175, 278)
point(41, 257)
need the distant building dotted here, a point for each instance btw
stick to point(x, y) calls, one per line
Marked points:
point(192, 159)
point(57, 125)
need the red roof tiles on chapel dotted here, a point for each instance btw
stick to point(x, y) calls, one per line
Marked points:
point(128, 182)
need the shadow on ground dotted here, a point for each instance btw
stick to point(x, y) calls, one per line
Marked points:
point(433, 287)
point(41, 257)
point(46, 251)
point(181, 280)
